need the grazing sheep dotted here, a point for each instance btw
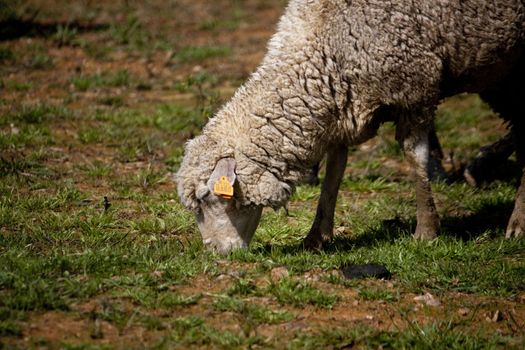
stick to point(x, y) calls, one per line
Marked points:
point(335, 70)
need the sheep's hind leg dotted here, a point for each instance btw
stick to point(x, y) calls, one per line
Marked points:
point(507, 100)
point(415, 143)
point(516, 225)
point(322, 228)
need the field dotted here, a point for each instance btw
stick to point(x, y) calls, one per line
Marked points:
point(96, 101)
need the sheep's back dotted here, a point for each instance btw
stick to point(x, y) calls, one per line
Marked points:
point(409, 52)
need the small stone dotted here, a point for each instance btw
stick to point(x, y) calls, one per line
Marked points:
point(463, 311)
point(222, 262)
point(521, 298)
point(497, 316)
point(222, 276)
point(311, 277)
point(340, 230)
point(14, 129)
point(96, 330)
point(278, 273)
point(168, 57)
point(428, 299)
point(158, 273)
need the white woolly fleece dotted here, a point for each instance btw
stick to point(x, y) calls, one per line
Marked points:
point(335, 70)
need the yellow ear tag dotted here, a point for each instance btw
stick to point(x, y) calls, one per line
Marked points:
point(223, 188)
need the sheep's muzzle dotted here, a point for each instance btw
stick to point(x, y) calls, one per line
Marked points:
point(224, 226)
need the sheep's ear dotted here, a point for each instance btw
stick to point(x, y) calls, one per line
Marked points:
point(223, 177)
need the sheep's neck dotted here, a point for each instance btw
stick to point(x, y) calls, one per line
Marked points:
point(288, 113)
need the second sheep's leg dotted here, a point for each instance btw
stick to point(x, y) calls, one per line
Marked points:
point(488, 159)
point(415, 143)
point(321, 231)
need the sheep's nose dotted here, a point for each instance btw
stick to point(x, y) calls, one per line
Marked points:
point(216, 246)
point(213, 245)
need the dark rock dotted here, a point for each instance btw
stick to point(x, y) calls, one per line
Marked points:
point(366, 271)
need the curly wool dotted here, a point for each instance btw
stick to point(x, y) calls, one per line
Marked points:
point(335, 70)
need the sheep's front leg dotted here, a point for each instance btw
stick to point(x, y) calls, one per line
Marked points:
point(415, 143)
point(322, 228)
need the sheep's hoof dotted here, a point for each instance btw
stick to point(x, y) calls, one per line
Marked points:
point(470, 178)
point(425, 233)
point(516, 226)
point(315, 241)
point(313, 244)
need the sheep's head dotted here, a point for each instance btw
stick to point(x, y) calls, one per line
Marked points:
point(224, 223)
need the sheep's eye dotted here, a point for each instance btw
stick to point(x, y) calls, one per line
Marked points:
point(202, 193)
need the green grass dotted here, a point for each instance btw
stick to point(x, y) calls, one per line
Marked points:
point(117, 78)
point(27, 130)
point(230, 19)
point(197, 83)
point(201, 53)
point(446, 335)
point(10, 9)
point(96, 50)
point(301, 294)
point(65, 35)
point(13, 85)
point(377, 294)
point(6, 54)
point(34, 56)
point(217, 25)
point(194, 331)
point(130, 33)
point(252, 314)
point(59, 246)
point(37, 114)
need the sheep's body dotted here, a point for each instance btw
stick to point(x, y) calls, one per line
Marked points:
point(336, 70)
